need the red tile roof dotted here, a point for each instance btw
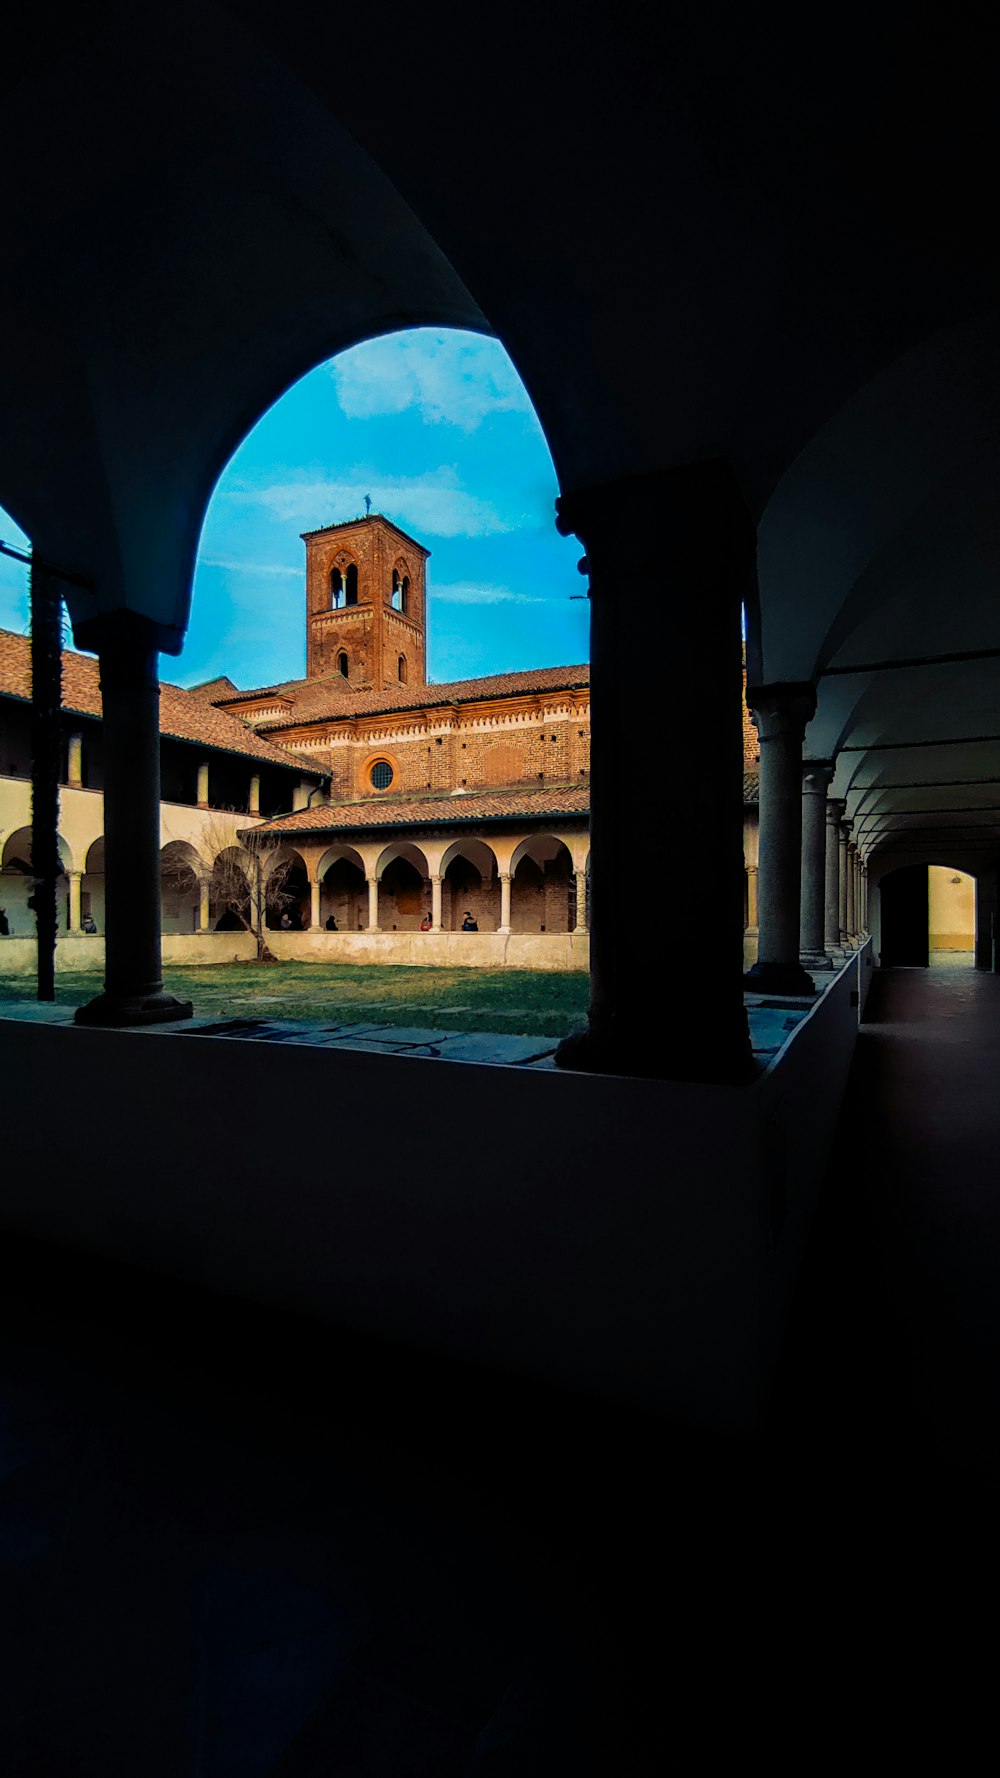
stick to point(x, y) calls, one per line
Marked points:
point(331, 697)
point(184, 715)
point(536, 802)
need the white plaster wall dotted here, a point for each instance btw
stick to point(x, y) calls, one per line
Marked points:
point(468, 950)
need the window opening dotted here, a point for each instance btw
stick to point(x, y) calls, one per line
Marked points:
point(343, 665)
point(336, 589)
point(402, 669)
point(381, 774)
point(352, 584)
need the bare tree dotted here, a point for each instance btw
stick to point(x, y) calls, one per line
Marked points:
point(245, 873)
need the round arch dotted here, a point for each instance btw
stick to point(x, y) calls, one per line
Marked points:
point(16, 882)
point(404, 887)
point(470, 883)
point(543, 885)
point(343, 894)
point(181, 871)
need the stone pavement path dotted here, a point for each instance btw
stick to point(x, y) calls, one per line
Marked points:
point(771, 1024)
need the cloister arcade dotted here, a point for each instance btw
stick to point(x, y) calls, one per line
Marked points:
point(535, 883)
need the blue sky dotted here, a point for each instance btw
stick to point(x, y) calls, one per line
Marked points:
point(437, 428)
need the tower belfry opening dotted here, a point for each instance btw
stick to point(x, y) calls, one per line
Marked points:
point(366, 607)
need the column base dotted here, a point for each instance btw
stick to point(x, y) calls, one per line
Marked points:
point(133, 1009)
point(587, 1050)
point(778, 978)
point(815, 960)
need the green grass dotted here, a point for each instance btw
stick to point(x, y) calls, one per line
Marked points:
point(530, 1003)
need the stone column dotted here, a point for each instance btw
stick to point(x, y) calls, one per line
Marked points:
point(436, 903)
point(75, 916)
point(505, 900)
point(753, 900)
point(204, 915)
point(852, 881)
point(203, 785)
point(314, 915)
point(781, 713)
point(254, 806)
point(844, 838)
point(812, 915)
point(581, 901)
point(835, 807)
point(666, 1000)
point(127, 644)
point(74, 762)
point(863, 896)
point(372, 904)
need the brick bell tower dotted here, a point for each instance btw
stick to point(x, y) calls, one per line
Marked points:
point(366, 604)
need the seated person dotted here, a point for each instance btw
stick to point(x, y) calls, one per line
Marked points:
point(468, 923)
point(426, 923)
point(331, 923)
point(88, 923)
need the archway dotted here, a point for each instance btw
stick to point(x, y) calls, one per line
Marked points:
point(286, 891)
point(180, 887)
point(404, 894)
point(470, 883)
point(542, 890)
point(92, 886)
point(343, 896)
point(17, 882)
point(229, 902)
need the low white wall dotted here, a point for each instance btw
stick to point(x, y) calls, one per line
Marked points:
point(482, 950)
point(635, 1238)
point(471, 950)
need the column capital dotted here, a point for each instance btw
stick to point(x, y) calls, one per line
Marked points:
point(648, 519)
point(125, 641)
point(74, 873)
point(816, 776)
point(783, 708)
point(436, 877)
point(835, 806)
point(846, 829)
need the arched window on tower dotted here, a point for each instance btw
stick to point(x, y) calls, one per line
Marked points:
point(402, 669)
point(396, 594)
point(404, 596)
point(352, 584)
point(343, 664)
point(336, 588)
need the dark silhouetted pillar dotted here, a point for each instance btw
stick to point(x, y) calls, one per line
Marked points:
point(835, 807)
point(133, 984)
point(666, 990)
point(812, 914)
point(781, 713)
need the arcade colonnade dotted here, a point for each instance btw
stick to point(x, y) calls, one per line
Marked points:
point(687, 949)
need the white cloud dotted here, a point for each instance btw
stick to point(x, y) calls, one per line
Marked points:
point(236, 567)
point(431, 505)
point(465, 592)
point(455, 379)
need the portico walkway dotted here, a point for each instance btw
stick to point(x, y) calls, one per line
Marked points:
point(895, 1358)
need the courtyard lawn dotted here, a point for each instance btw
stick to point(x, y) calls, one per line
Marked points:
point(522, 1002)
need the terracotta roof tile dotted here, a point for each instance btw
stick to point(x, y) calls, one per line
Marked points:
point(331, 697)
point(534, 801)
point(184, 715)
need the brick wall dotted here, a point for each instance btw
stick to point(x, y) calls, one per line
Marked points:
point(371, 633)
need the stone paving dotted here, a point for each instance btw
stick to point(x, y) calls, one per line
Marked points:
point(771, 1023)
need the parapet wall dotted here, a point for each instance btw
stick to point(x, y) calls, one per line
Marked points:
point(450, 950)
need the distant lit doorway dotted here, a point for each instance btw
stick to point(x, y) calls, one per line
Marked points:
point(928, 918)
